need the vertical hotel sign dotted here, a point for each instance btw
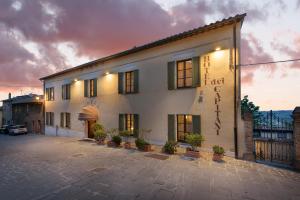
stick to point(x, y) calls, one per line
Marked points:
point(216, 83)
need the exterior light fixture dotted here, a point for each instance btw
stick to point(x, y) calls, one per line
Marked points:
point(75, 80)
point(37, 98)
point(218, 48)
point(106, 73)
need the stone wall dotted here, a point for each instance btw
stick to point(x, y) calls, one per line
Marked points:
point(248, 128)
point(296, 116)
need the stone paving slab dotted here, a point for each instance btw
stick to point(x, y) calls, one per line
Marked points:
point(53, 168)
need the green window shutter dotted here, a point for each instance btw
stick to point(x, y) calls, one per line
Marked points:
point(196, 124)
point(196, 72)
point(171, 128)
point(62, 120)
point(136, 81)
point(95, 87)
point(171, 75)
point(69, 91)
point(86, 84)
point(136, 125)
point(120, 82)
point(62, 91)
point(121, 122)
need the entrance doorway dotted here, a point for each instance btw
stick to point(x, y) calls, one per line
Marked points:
point(91, 128)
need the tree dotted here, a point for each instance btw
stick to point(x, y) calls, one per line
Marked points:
point(249, 106)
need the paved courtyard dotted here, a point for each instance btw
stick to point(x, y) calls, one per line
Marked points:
point(40, 167)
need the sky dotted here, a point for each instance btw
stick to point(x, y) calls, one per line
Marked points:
point(41, 37)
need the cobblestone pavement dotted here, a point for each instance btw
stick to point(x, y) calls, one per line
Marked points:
point(53, 168)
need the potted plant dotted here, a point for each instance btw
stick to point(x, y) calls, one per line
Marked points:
point(142, 145)
point(218, 153)
point(99, 134)
point(194, 140)
point(126, 135)
point(116, 139)
point(146, 146)
point(111, 133)
point(170, 147)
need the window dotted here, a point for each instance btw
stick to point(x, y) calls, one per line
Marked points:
point(50, 94)
point(184, 127)
point(129, 82)
point(50, 118)
point(65, 120)
point(66, 91)
point(129, 122)
point(184, 74)
point(90, 88)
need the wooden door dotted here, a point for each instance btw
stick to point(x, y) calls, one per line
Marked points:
point(91, 129)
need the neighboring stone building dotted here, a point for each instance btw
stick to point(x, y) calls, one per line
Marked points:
point(189, 82)
point(1, 119)
point(25, 110)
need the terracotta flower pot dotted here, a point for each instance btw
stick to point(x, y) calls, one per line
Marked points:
point(100, 142)
point(217, 157)
point(191, 153)
point(127, 145)
point(111, 144)
point(147, 147)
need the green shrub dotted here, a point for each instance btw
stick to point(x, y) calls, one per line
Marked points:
point(218, 149)
point(170, 147)
point(117, 140)
point(100, 134)
point(195, 140)
point(140, 143)
point(98, 126)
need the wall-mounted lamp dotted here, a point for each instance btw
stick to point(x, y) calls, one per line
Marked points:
point(217, 48)
point(107, 73)
point(37, 98)
point(75, 79)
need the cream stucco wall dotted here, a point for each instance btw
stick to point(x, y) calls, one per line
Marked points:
point(154, 101)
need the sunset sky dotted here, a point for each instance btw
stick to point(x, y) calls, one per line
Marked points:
point(40, 37)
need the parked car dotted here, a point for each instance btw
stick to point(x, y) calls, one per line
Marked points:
point(17, 130)
point(4, 129)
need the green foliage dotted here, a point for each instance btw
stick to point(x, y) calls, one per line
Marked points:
point(117, 140)
point(100, 134)
point(249, 106)
point(170, 147)
point(112, 132)
point(140, 143)
point(195, 140)
point(125, 133)
point(218, 149)
point(98, 126)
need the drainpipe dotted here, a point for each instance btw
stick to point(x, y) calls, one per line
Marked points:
point(235, 95)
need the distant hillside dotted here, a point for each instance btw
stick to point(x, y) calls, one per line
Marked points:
point(283, 114)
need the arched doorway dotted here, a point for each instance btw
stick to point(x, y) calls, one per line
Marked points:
point(89, 115)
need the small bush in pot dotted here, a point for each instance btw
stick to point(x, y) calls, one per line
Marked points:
point(100, 136)
point(142, 145)
point(117, 140)
point(126, 135)
point(194, 140)
point(99, 133)
point(170, 147)
point(218, 153)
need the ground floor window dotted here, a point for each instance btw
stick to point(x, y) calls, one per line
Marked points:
point(65, 120)
point(129, 122)
point(184, 127)
point(50, 118)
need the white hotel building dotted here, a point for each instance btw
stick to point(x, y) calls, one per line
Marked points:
point(189, 82)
